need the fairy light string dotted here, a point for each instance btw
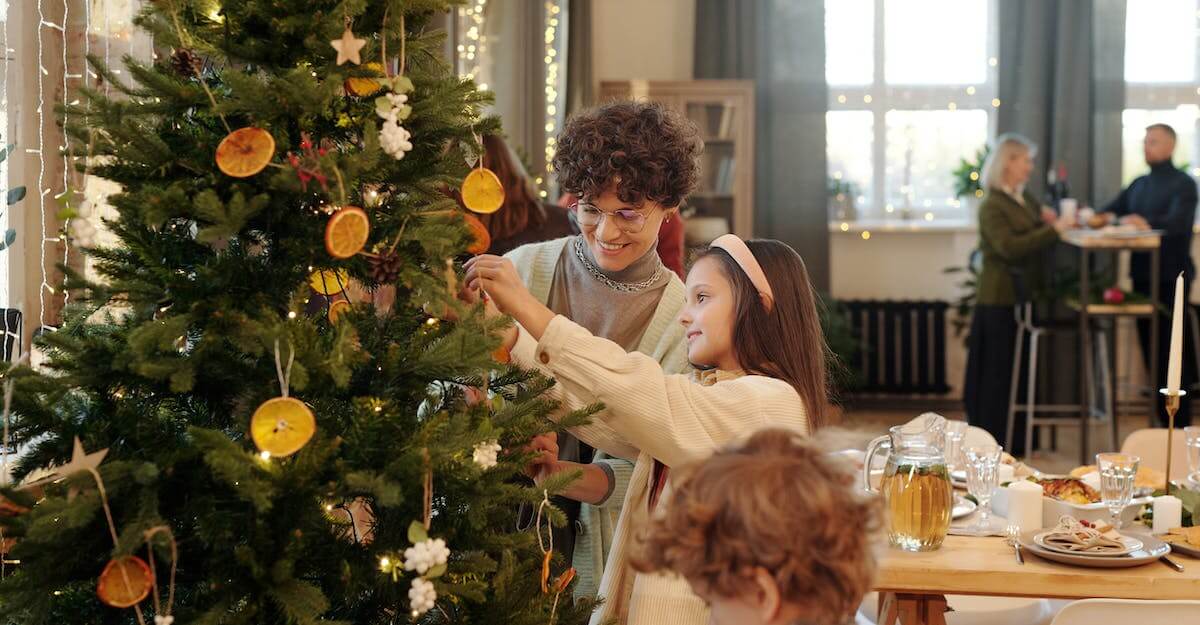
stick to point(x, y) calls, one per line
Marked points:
point(41, 176)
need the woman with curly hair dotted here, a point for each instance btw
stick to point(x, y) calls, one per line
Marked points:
point(630, 164)
point(772, 531)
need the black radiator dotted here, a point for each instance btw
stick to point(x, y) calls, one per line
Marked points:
point(902, 346)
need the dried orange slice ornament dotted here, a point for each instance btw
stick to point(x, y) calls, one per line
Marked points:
point(282, 426)
point(124, 582)
point(564, 580)
point(482, 191)
point(482, 239)
point(336, 310)
point(245, 152)
point(364, 87)
point(546, 570)
point(347, 232)
point(329, 282)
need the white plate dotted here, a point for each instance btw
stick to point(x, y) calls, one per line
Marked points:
point(1152, 551)
point(962, 507)
point(1131, 545)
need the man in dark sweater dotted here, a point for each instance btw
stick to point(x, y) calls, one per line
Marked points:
point(1164, 199)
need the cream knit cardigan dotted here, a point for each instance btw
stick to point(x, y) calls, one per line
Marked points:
point(663, 339)
point(651, 415)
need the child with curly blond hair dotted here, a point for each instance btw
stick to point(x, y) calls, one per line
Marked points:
point(772, 531)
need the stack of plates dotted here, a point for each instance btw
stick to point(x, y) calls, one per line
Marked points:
point(1142, 549)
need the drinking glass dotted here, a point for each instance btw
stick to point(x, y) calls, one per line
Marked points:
point(1117, 474)
point(955, 432)
point(1192, 432)
point(983, 478)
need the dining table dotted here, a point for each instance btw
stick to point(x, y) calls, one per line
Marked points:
point(913, 586)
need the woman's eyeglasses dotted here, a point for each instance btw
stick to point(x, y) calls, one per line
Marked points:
point(626, 220)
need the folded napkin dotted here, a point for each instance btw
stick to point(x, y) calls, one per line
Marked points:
point(1071, 535)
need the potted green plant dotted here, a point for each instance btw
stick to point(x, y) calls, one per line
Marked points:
point(967, 178)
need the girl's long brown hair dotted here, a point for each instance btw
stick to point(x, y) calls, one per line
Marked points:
point(522, 208)
point(786, 342)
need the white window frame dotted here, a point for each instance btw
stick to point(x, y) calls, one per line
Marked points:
point(1169, 95)
point(885, 97)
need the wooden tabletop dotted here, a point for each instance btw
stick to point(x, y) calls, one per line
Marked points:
point(986, 566)
point(1091, 239)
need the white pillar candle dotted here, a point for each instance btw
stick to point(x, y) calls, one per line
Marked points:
point(1168, 513)
point(1006, 473)
point(1025, 505)
point(1175, 364)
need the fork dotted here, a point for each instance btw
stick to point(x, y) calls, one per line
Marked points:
point(1014, 538)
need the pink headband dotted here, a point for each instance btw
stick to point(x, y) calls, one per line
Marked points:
point(741, 254)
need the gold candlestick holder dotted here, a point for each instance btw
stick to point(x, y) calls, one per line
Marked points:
point(1172, 406)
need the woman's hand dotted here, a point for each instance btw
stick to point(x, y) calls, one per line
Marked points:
point(499, 280)
point(1049, 216)
point(546, 461)
point(1063, 224)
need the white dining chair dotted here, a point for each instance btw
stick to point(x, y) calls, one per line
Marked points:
point(972, 610)
point(1126, 611)
point(975, 435)
point(1150, 444)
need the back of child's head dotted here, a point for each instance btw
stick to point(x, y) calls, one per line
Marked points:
point(777, 502)
point(783, 341)
point(642, 151)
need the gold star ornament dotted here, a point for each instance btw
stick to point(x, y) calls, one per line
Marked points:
point(348, 47)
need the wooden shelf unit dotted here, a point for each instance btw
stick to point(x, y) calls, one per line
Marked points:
point(723, 110)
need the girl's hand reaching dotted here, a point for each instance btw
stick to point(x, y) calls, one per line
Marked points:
point(499, 280)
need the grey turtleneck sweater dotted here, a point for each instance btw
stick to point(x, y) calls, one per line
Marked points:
point(619, 316)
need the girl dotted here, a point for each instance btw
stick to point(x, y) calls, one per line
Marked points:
point(751, 324)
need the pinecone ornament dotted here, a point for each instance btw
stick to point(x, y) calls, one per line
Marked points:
point(186, 62)
point(385, 267)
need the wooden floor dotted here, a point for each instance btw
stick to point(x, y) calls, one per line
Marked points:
point(864, 423)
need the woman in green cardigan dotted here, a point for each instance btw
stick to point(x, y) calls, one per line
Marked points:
point(1013, 228)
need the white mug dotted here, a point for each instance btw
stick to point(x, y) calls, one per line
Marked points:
point(1067, 207)
point(1086, 214)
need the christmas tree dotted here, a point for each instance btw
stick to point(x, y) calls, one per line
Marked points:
point(273, 355)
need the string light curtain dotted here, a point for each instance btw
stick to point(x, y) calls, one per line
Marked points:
point(518, 50)
point(47, 42)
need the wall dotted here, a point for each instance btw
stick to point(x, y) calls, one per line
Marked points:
point(651, 40)
point(901, 264)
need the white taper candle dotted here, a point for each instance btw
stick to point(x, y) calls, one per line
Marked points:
point(1175, 364)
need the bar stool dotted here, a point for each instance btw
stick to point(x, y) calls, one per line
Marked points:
point(1028, 323)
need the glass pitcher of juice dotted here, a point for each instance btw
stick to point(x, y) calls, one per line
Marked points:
point(916, 483)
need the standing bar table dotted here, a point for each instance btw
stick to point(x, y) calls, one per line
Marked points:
point(1089, 241)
